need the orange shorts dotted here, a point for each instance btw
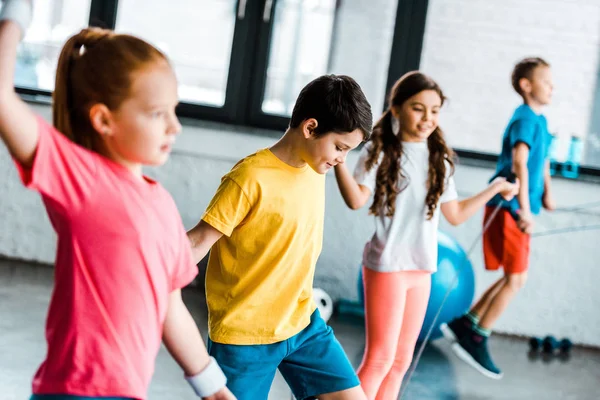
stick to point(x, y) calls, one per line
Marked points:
point(504, 245)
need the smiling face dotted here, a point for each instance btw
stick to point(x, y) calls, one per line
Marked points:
point(418, 115)
point(324, 151)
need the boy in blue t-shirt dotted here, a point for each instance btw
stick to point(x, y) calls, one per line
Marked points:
point(506, 241)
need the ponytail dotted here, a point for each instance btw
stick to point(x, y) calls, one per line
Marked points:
point(95, 66)
point(439, 155)
point(388, 172)
point(65, 112)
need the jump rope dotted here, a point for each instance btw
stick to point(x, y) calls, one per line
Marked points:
point(511, 178)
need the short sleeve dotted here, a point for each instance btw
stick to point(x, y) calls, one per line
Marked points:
point(228, 207)
point(522, 131)
point(61, 170)
point(450, 193)
point(361, 175)
point(185, 270)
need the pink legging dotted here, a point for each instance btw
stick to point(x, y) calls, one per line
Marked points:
point(395, 306)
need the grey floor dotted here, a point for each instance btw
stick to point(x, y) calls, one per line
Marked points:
point(25, 290)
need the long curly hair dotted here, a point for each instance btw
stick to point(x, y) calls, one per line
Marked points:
point(383, 140)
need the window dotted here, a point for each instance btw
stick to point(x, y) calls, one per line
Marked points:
point(302, 35)
point(53, 22)
point(310, 38)
point(301, 40)
point(197, 36)
point(245, 61)
point(238, 61)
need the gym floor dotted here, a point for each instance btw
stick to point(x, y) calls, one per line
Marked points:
point(25, 289)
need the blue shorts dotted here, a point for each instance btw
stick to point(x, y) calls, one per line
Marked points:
point(70, 397)
point(312, 362)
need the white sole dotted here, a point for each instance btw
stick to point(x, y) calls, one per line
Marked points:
point(448, 334)
point(466, 357)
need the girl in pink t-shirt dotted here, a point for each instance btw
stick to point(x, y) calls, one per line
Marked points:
point(122, 253)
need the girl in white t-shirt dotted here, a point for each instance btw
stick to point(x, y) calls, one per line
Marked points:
point(408, 168)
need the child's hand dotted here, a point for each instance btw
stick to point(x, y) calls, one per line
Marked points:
point(506, 189)
point(223, 394)
point(525, 222)
point(548, 202)
point(18, 11)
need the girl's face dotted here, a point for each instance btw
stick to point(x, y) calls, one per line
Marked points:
point(143, 129)
point(418, 115)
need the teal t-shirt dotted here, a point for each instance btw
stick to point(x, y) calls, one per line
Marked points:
point(530, 128)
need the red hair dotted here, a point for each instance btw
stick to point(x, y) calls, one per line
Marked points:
point(95, 66)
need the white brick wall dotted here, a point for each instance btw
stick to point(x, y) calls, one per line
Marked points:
point(471, 46)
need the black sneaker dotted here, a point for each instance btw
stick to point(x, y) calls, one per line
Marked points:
point(473, 350)
point(456, 329)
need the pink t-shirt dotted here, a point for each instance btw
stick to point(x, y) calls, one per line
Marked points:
point(122, 249)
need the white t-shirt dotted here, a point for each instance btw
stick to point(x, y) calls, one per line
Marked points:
point(408, 240)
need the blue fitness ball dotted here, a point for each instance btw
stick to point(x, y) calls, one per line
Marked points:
point(452, 262)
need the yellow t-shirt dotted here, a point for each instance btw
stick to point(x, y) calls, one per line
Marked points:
point(260, 273)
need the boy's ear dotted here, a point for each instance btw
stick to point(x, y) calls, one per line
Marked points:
point(308, 127)
point(525, 85)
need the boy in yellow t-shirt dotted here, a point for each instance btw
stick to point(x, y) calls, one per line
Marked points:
point(266, 224)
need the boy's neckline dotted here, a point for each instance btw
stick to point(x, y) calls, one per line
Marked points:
point(284, 164)
point(533, 110)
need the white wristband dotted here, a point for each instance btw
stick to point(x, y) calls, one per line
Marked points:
point(18, 11)
point(209, 381)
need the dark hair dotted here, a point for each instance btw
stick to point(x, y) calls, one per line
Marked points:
point(337, 103)
point(524, 69)
point(384, 140)
point(95, 66)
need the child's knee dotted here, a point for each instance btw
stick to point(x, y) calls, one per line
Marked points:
point(378, 360)
point(400, 366)
point(403, 359)
point(517, 281)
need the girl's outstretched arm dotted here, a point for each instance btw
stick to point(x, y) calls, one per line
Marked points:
point(183, 341)
point(354, 195)
point(458, 211)
point(18, 125)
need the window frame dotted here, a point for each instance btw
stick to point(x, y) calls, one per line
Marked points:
point(249, 62)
